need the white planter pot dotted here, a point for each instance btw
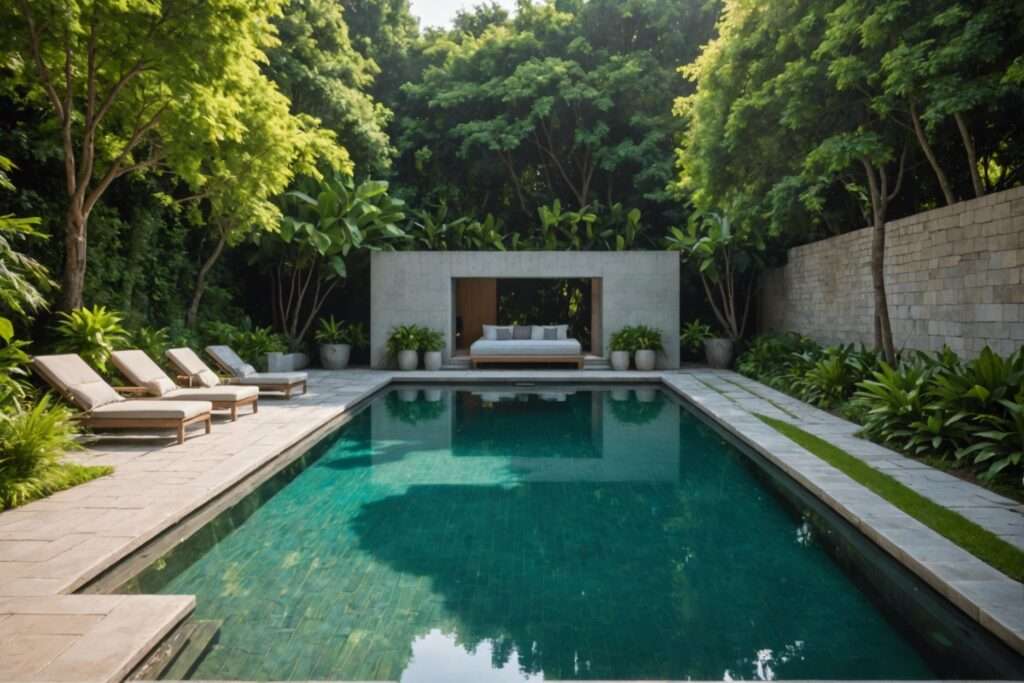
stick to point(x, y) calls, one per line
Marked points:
point(408, 360)
point(620, 395)
point(433, 395)
point(646, 395)
point(719, 352)
point(432, 360)
point(408, 395)
point(646, 359)
point(286, 362)
point(620, 360)
point(335, 356)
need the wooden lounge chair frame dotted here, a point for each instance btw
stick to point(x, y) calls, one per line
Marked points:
point(477, 361)
point(99, 422)
point(231, 406)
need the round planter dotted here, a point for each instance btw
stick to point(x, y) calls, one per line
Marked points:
point(620, 395)
point(433, 395)
point(408, 360)
point(335, 356)
point(286, 362)
point(646, 395)
point(408, 395)
point(432, 360)
point(719, 352)
point(620, 360)
point(645, 359)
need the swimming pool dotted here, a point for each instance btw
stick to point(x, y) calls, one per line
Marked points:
point(515, 533)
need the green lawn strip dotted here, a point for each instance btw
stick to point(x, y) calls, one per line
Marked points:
point(16, 492)
point(973, 538)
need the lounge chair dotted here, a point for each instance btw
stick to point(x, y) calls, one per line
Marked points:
point(104, 408)
point(149, 380)
point(197, 373)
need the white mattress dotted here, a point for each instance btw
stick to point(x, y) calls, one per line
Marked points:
point(526, 347)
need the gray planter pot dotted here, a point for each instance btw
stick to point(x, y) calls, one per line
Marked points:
point(620, 395)
point(432, 360)
point(620, 360)
point(408, 395)
point(335, 356)
point(646, 395)
point(719, 352)
point(286, 362)
point(408, 360)
point(645, 359)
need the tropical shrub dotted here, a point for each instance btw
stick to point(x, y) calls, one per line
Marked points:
point(153, 341)
point(932, 405)
point(15, 387)
point(32, 445)
point(330, 331)
point(92, 333)
point(693, 334)
point(403, 338)
point(647, 338)
point(623, 340)
point(430, 340)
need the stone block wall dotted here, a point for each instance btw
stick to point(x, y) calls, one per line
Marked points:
point(953, 277)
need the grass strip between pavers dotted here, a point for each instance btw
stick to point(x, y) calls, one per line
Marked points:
point(973, 538)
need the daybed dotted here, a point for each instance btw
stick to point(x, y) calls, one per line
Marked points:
point(496, 346)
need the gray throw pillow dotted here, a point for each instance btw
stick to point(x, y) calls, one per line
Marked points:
point(523, 331)
point(550, 333)
point(504, 334)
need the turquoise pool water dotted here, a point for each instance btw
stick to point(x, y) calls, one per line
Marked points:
point(503, 535)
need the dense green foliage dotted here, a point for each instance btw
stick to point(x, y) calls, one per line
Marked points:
point(935, 406)
point(975, 539)
point(634, 338)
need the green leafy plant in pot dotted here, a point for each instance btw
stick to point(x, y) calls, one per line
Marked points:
point(432, 344)
point(622, 345)
point(648, 344)
point(335, 343)
point(692, 337)
point(403, 344)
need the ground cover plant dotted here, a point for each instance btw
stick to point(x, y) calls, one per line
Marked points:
point(975, 539)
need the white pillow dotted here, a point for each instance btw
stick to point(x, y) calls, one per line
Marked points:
point(245, 370)
point(206, 378)
point(538, 331)
point(490, 332)
point(92, 395)
point(159, 386)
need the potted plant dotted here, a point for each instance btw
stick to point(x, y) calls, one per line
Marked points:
point(692, 337)
point(622, 346)
point(727, 258)
point(403, 344)
point(648, 344)
point(335, 345)
point(432, 345)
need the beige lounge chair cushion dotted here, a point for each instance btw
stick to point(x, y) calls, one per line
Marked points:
point(230, 360)
point(142, 371)
point(284, 379)
point(75, 379)
point(219, 394)
point(189, 362)
point(153, 410)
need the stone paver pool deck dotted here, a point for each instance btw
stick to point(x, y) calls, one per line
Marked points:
point(53, 547)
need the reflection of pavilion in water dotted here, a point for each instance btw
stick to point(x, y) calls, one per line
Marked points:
point(620, 435)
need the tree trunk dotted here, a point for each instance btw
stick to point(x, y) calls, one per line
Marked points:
point(972, 154)
point(192, 316)
point(73, 280)
point(879, 205)
point(922, 140)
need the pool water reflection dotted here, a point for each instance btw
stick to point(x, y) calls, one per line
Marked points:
point(500, 535)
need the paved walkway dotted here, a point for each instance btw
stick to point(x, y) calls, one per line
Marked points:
point(53, 547)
